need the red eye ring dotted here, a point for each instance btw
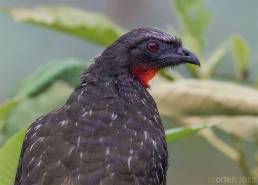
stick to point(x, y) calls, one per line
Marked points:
point(153, 47)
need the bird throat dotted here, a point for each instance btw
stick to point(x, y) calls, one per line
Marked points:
point(144, 74)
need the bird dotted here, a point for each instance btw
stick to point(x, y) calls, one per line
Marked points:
point(109, 131)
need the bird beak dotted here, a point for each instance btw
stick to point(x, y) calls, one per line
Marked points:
point(181, 56)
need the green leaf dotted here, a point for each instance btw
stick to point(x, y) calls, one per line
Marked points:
point(90, 26)
point(182, 132)
point(240, 51)
point(245, 127)
point(68, 71)
point(6, 108)
point(9, 156)
point(30, 109)
point(193, 17)
point(215, 59)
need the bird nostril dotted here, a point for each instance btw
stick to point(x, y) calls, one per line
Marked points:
point(183, 52)
point(186, 53)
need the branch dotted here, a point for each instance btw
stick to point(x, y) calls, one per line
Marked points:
point(243, 162)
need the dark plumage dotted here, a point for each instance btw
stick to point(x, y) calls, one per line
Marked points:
point(109, 132)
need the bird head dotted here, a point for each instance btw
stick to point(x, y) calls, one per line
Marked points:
point(147, 50)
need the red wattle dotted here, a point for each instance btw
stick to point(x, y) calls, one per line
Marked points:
point(144, 74)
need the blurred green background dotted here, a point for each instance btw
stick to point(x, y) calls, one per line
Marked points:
point(23, 48)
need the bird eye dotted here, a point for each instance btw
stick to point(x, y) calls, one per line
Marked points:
point(153, 47)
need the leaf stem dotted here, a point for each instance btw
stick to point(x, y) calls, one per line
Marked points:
point(242, 161)
point(219, 144)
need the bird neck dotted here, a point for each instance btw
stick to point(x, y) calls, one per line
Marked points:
point(144, 74)
point(107, 68)
point(104, 70)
